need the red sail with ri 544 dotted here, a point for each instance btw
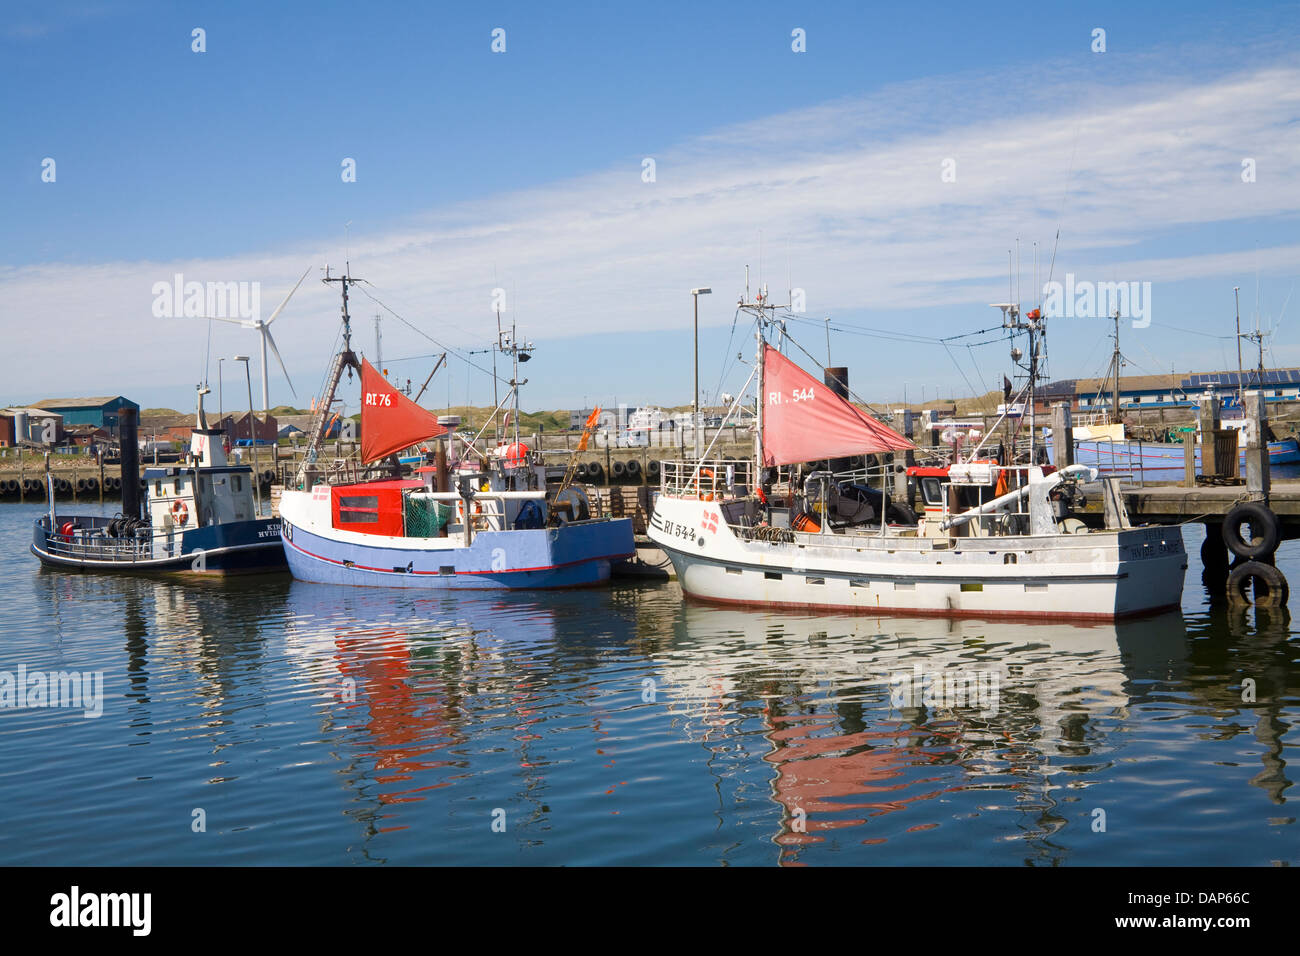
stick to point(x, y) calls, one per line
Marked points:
point(803, 420)
point(389, 420)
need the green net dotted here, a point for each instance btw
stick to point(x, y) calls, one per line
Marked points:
point(424, 516)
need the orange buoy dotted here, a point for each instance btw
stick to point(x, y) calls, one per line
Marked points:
point(805, 522)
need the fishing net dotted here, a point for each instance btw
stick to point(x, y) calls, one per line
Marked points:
point(424, 516)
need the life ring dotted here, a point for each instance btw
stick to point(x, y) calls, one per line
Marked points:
point(698, 492)
point(180, 513)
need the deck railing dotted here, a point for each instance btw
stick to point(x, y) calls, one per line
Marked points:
point(711, 476)
point(91, 541)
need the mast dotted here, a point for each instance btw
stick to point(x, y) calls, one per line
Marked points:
point(496, 426)
point(1115, 360)
point(760, 308)
point(1241, 395)
point(345, 358)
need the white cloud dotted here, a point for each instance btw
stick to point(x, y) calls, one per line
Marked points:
point(850, 191)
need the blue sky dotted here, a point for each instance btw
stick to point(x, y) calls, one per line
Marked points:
point(522, 170)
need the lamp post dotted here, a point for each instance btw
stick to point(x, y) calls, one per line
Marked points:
point(695, 294)
point(252, 435)
point(220, 409)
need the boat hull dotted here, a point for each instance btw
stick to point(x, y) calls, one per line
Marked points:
point(237, 547)
point(1155, 461)
point(577, 554)
point(1099, 576)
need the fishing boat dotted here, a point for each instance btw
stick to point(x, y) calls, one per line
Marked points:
point(199, 517)
point(481, 520)
point(994, 540)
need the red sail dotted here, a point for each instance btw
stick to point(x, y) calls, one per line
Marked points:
point(803, 420)
point(389, 420)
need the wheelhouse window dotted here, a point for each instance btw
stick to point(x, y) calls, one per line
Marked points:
point(932, 491)
point(359, 509)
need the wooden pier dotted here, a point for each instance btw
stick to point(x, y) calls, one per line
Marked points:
point(1246, 516)
point(1210, 504)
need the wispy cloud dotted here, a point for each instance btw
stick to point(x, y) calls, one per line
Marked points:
point(847, 195)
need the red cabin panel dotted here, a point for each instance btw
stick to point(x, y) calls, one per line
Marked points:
point(374, 507)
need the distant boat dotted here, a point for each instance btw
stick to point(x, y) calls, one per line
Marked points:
point(1110, 450)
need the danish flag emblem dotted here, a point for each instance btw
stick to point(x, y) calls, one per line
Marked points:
point(710, 522)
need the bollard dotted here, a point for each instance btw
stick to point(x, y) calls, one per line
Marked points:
point(1257, 465)
point(1062, 434)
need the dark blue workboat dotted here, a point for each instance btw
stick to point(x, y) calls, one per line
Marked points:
point(199, 518)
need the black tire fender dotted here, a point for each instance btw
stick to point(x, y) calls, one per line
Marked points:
point(1263, 526)
point(1254, 582)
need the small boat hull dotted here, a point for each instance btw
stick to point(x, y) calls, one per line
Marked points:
point(237, 547)
point(1155, 461)
point(575, 554)
point(1284, 452)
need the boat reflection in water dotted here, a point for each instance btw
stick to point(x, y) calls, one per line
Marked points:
point(866, 718)
point(622, 726)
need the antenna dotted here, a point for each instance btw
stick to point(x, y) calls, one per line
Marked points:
point(1236, 297)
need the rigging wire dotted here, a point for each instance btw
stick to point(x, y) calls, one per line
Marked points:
point(852, 394)
point(463, 356)
point(729, 362)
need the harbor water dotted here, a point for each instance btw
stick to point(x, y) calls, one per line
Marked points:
point(263, 720)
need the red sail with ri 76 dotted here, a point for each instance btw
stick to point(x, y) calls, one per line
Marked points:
point(803, 420)
point(389, 420)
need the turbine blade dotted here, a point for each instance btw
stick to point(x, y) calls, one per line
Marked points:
point(276, 352)
point(287, 298)
point(223, 318)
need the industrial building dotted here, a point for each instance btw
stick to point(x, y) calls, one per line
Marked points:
point(101, 411)
point(1137, 392)
point(31, 425)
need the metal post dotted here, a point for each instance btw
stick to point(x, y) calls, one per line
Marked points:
point(1257, 464)
point(1062, 434)
point(695, 408)
point(257, 478)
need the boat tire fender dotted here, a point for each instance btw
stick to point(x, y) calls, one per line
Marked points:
point(1263, 527)
point(1265, 581)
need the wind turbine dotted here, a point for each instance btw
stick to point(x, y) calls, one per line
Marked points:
point(262, 327)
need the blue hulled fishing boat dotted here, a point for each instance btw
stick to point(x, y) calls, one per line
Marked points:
point(199, 517)
point(467, 520)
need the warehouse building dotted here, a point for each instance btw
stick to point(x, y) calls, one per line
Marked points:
point(102, 411)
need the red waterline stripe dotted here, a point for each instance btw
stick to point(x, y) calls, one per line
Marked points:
point(867, 611)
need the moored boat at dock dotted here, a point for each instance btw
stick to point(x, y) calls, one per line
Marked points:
point(993, 541)
point(480, 521)
point(199, 518)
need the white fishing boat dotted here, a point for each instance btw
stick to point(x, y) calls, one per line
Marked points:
point(993, 540)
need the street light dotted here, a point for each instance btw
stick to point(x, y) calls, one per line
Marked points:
point(257, 478)
point(220, 410)
point(695, 294)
